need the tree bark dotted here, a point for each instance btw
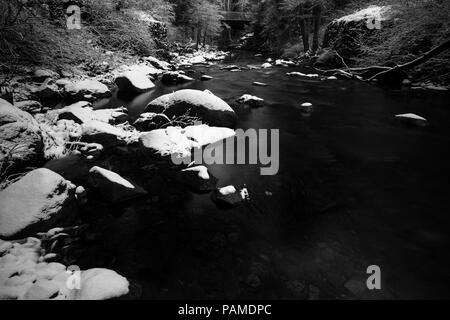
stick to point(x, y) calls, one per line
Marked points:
point(304, 31)
point(317, 12)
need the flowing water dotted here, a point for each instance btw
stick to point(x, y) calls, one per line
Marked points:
point(355, 188)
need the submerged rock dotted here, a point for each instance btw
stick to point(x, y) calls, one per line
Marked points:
point(203, 104)
point(113, 187)
point(37, 202)
point(133, 82)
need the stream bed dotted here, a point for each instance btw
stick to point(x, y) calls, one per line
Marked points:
point(355, 188)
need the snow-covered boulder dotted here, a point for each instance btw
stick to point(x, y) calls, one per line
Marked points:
point(103, 133)
point(26, 275)
point(203, 104)
point(37, 202)
point(412, 119)
point(82, 112)
point(20, 137)
point(113, 187)
point(86, 90)
point(251, 101)
point(162, 65)
point(133, 82)
point(30, 106)
point(149, 121)
point(301, 74)
point(266, 65)
point(40, 75)
point(198, 178)
point(178, 142)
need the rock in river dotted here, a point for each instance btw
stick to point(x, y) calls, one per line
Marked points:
point(37, 202)
point(133, 82)
point(412, 119)
point(89, 88)
point(203, 104)
point(113, 187)
point(198, 178)
point(251, 101)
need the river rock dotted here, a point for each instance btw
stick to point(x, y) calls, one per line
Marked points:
point(259, 84)
point(198, 178)
point(174, 77)
point(266, 65)
point(30, 106)
point(40, 75)
point(37, 202)
point(113, 187)
point(229, 197)
point(71, 167)
point(205, 78)
point(328, 59)
point(203, 104)
point(26, 276)
point(47, 91)
point(412, 119)
point(149, 121)
point(251, 101)
point(133, 82)
point(89, 88)
point(103, 133)
point(158, 63)
point(20, 137)
point(178, 142)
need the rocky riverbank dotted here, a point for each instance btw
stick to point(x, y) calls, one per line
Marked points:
point(59, 163)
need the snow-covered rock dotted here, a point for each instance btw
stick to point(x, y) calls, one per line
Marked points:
point(301, 74)
point(197, 178)
point(149, 121)
point(205, 78)
point(89, 88)
point(259, 84)
point(82, 112)
point(251, 101)
point(103, 133)
point(266, 65)
point(25, 275)
point(229, 197)
point(40, 75)
point(381, 13)
point(133, 82)
point(158, 63)
point(178, 142)
point(412, 119)
point(113, 187)
point(30, 106)
point(37, 202)
point(210, 108)
point(174, 77)
point(20, 137)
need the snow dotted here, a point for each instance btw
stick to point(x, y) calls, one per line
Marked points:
point(112, 176)
point(225, 191)
point(307, 104)
point(138, 80)
point(261, 84)
point(411, 116)
point(382, 13)
point(202, 171)
point(247, 98)
point(300, 74)
point(266, 65)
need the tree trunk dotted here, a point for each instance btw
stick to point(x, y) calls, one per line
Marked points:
point(304, 30)
point(317, 13)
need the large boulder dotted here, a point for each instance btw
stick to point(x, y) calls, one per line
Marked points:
point(349, 33)
point(203, 104)
point(20, 137)
point(37, 202)
point(178, 143)
point(86, 90)
point(133, 82)
point(102, 284)
point(113, 187)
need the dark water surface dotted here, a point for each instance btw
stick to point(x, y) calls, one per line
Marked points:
point(355, 188)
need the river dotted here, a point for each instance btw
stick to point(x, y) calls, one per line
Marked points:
point(355, 188)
